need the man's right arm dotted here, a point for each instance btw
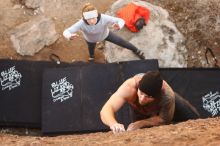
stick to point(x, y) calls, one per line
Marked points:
point(115, 102)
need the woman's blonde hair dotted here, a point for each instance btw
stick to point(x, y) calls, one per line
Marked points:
point(88, 7)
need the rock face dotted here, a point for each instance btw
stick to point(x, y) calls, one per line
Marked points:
point(160, 39)
point(30, 37)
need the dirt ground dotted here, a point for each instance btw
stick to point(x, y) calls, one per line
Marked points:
point(201, 132)
point(198, 20)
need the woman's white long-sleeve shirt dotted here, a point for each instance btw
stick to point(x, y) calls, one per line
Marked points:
point(94, 33)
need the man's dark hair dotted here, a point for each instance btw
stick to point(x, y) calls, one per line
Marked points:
point(140, 23)
point(151, 84)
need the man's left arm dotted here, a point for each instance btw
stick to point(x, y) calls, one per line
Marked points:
point(152, 121)
point(165, 115)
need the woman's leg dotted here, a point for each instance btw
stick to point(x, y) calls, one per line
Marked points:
point(123, 43)
point(91, 48)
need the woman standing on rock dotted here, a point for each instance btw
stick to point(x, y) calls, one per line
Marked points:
point(94, 27)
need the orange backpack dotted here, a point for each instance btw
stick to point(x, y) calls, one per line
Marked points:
point(131, 13)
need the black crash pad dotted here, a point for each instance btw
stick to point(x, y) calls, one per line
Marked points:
point(201, 87)
point(90, 87)
point(20, 92)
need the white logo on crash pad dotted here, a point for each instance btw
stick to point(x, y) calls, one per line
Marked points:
point(61, 90)
point(10, 78)
point(211, 103)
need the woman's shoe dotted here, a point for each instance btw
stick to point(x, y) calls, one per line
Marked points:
point(91, 59)
point(140, 54)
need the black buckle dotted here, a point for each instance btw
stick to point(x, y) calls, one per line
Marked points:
point(213, 56)
point(55, 58)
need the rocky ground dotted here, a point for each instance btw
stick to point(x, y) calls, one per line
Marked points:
point(198, 21)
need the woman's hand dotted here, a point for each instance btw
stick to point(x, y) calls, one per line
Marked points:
point(75, 35)
point(116, 26)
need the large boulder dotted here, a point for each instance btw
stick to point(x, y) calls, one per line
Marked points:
point(30, 37)
point(160, 39)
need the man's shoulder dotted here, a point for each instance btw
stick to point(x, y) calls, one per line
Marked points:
point(139, 75)
point(130, 82)
point(128, 88)
point(167, 89)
